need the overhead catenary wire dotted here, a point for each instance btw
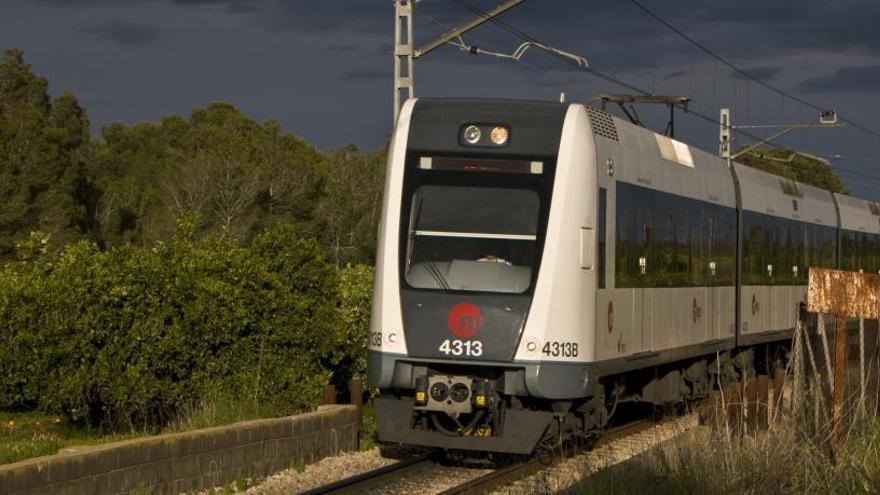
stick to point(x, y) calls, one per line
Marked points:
point(592, 70)
point(745, 73)
point(614, 80)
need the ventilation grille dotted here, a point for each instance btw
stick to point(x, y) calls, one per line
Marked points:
point(603, 124)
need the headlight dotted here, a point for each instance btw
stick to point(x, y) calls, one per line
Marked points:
point(472, 134)
point(499, 135)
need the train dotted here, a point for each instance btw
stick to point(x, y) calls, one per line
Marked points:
point(541, 263)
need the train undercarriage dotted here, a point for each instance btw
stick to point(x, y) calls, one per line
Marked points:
point(454, 410)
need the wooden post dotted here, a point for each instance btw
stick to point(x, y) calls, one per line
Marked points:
point(356, 397)
point(842, 294)
point(329, 394)
point(823, 333)
point(797, 393)
point(751, 400)
point(839, 380)
point(778, 384)
point(733, 401)
point(862, 383)
point(762, 387)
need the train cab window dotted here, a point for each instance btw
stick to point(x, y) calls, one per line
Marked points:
point(472, 238)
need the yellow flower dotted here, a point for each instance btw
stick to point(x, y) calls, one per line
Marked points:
point(11, 423)
point(56, 420)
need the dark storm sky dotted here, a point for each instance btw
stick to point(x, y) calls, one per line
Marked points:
point(323, 68)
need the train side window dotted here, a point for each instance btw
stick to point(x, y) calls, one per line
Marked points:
point(600, 233)
point(755, 240)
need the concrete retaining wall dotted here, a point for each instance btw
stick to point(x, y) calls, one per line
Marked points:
point(191, 461)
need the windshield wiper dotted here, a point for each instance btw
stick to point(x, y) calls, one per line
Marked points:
point(431, 268)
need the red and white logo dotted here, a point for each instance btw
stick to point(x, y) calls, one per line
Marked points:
point(464, 320)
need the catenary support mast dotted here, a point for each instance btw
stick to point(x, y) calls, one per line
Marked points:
point(405, 53)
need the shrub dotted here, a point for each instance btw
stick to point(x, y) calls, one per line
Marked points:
point(132, 336)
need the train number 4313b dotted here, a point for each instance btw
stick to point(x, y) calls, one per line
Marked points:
point(563, 349)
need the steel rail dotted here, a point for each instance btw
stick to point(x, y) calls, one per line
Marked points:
point(377, 477)
point(505, 476)
point(496, 479)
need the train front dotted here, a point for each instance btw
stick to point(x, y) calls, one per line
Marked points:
point(464, 346)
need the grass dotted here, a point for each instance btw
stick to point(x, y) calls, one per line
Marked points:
point(369, 427)
point(24, 435)
point(30, 434)
point(794, 455)
point(776, 461)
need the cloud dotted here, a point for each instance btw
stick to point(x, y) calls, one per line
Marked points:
point(366, 75)
point(341, 48)
point(674, 74)
point(765, 73)
point(861, 79)
point(125, 32)
point(233, 6)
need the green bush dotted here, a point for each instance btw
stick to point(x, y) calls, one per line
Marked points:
point(132, 336)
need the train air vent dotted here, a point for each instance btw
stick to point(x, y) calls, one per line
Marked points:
point(603, 123)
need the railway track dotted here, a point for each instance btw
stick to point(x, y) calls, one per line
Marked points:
point(375, 478)
point(421, 473)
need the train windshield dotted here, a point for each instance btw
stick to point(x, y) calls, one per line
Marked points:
point(472, 238)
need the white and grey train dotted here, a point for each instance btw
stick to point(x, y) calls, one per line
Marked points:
point(539, 263)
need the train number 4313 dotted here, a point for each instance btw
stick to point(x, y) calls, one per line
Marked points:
point(461, 347)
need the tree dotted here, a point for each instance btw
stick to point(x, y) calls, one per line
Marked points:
point(349, 210)
point(42, 150)
point(238, 176)
point(798, 166)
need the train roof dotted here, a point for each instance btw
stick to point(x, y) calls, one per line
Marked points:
point(652, 160)
point(705, 176)
point(763, 192)
point(858, 214)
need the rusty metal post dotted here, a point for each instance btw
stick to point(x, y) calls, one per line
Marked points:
point(839, 381)
point(329, 394)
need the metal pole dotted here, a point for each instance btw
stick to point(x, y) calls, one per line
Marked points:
point(467, 26)
point(403, 53)
point(724, 135)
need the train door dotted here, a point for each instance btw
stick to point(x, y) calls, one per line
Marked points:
point(620, 311)
point(719, 234)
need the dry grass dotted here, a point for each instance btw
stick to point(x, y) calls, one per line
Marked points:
point(795, 454)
